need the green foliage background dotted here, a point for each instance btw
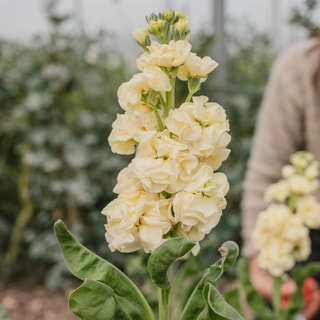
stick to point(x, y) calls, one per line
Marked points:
point(58, 99)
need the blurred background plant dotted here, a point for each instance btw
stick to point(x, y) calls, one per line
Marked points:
point(58, 98)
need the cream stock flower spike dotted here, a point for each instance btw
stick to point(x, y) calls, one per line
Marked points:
point(175, 147)
point(170, 195)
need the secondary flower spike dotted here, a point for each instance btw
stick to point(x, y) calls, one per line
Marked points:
point(281, 234)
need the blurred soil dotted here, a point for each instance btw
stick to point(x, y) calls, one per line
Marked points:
point(36, 303)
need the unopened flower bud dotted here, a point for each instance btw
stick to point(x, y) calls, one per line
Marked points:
point(180, 14)
point(168, 15)
point(140, 35)
point(182, 25)
point(156, 26)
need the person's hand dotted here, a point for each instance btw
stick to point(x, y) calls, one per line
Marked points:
point(263, 283)
point(311, 294)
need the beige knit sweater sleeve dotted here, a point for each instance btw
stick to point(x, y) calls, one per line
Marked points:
point(279, 133)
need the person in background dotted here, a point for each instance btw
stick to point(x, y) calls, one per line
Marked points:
point(289, 120)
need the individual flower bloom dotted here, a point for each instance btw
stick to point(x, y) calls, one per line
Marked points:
point(129, 129)
point(277, 191)
point(157, 79)
point(308, 209)
point(203, 180)
point(169, 55)
point(196, 213)
point(132, 218)
point(216, 158)
point(201, 125)
point(126, 183)
point(302, 185)
point(194, 66)
point(141, 36)
point(158, 150)
point(130, 93)
point(288, 171)
point(154, 223)
point(123, 214)
point(157, 175)
point(312, 171)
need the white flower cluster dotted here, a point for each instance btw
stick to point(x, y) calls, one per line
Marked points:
point(282, 231)
point(170, 188)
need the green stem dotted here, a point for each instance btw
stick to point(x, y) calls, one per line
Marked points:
point(277, 297)
point(188, 99)
point(163, 295)
point(159, 120)
point(292, 201)
point(170, 98)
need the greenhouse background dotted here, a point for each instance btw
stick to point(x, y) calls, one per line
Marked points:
point(60, 66)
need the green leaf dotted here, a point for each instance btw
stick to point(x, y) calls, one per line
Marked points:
point(84, 264)
point(95, 300)
point(300, 274)
point(218, 304)
point(229, 252)
point(196, 303)
point(162, 258)
point(4, 315)
point(233, 298)
point(254, 299)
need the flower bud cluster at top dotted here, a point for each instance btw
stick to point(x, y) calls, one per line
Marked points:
point(170, 188)
point(282, 231)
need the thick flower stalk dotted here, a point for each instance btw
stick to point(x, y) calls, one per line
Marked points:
point(170, 188)
point(282, 231)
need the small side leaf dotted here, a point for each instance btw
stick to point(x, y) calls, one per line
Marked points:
point(229, 252)
point(254, 299)
point(300, 274)
point(84, 264)
point(196, 304)
point(162, 258)
point(218, 304)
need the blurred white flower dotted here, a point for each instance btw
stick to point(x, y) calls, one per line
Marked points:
point(308, 209)
point(281, 239)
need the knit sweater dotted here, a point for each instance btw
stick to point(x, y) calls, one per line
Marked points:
point(289, 120)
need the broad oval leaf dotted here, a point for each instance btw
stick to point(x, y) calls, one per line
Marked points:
point(84, 264)
point(218, 304)
point(93, 300)
point(162, 258)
